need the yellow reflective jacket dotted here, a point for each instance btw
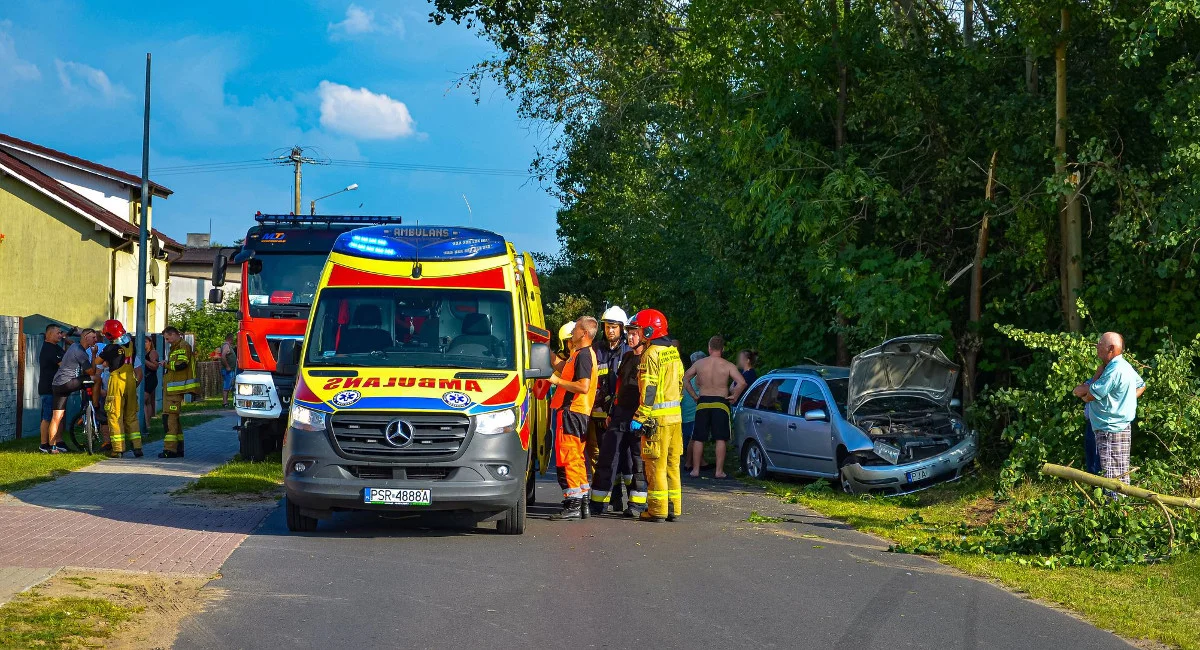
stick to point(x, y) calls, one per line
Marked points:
point(660, 383)
point(180, 376)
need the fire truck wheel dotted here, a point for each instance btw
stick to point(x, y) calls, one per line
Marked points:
point(254, 444)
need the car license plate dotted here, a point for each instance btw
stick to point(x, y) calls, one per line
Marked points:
point(393, 497)
point(887, 452)
point(918, 475)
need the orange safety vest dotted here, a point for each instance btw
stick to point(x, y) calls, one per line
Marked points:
point(580, 402)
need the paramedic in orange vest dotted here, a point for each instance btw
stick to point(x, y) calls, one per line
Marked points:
point(574, 395)
point(659, 419)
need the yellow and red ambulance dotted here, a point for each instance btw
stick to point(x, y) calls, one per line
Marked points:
point(421, 382)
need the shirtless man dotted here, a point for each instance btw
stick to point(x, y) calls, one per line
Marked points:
point(720, 385)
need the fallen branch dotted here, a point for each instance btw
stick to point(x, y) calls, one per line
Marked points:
point(1113, 485)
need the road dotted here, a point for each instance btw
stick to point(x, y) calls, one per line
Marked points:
point(710, 579)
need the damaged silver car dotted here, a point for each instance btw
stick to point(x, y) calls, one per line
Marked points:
point(885, 425)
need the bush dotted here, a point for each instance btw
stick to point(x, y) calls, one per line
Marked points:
point(1045, 421)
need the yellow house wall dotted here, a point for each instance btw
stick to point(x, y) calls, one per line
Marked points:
point(53, 262)
point(125, 282)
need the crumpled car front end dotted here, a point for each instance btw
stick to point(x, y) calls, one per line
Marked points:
point(899, 395)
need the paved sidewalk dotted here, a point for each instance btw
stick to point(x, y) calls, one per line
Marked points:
point(119, 514)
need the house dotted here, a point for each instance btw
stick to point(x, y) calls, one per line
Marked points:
point(191, 271)
point(69, 241)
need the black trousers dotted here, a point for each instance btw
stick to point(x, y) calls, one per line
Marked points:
point(620, 453)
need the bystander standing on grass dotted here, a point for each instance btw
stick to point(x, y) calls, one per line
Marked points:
point(1113, 405)
point(228, 354)
point(49, 357)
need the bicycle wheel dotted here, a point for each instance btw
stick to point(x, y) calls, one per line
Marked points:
point(93, 430)
point(76, 433)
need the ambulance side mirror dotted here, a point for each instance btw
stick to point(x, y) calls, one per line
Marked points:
point(541, 362)
point(287, 359)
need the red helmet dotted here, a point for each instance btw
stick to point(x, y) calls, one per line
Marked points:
point(652, 323)
point(113, 329)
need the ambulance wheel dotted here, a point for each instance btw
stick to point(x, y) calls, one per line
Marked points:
point(297, 522)
point(513, 522)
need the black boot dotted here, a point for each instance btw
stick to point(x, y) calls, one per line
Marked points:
point(571, 510)
point(180, 447)
point(671, 516)
point(597, 508)
point(618, 503)
point(585, 509)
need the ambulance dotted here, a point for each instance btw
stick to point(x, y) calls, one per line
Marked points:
point(420, 383)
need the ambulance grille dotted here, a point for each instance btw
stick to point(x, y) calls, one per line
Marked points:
point(436, 436)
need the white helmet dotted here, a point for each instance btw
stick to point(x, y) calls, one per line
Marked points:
point(615, 314)
point(566, 331)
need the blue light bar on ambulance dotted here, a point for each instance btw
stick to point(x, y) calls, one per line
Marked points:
point(423, 243)
point(324, 218)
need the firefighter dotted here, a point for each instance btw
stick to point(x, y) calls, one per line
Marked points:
point(619, 450)
point(121, 404)
point(609, 351)
point(575, 392)
point(658, 419)
point(179, 380)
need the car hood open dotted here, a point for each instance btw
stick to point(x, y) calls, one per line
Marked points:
point(907, 365)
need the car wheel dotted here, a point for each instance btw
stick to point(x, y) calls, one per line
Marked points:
point(513, 522)
point(297, 522)
point(754, 461)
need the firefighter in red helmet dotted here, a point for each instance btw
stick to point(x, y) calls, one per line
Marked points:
point(121, 405)
point(658, 419)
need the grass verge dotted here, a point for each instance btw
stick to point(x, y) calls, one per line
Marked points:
point(240, 476)
point(22, 465)
point(1159, 602)
point(77, 609)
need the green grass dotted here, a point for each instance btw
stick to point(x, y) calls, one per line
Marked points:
point(242, 477)
point(1159, 602)
point(22, 465)
point(31, 620)
point(207, 404)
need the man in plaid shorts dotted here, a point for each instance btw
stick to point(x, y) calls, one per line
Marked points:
point(1113, 405)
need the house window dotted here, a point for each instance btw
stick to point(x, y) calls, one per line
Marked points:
point(151, 316)
point(130, 311)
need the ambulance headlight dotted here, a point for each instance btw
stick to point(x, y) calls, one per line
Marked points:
point(497, 422)
point(306, 419)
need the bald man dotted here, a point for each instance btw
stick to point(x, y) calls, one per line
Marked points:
point(1112, 398)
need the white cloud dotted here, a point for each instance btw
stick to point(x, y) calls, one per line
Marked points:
point(84, 83)
point(363, 114)
point(12, 67)
point(361, 21)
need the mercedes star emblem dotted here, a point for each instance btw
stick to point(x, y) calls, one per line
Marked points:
point(398, 433)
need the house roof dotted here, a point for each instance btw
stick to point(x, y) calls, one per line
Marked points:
point(74, 161)
point(74, 200)
point(196, 255)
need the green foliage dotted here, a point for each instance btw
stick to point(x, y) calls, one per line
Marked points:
point(209, 323)
point(1045, 421)
point(1059, 529)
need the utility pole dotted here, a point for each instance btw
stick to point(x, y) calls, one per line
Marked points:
point(297, 159)
point(143, 234)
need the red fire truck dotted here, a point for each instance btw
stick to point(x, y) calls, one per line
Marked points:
point(281, 262)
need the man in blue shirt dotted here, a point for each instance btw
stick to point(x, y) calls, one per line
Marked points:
point(1112, 398)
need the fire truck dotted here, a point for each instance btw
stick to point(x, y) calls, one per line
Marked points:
point(281, 262)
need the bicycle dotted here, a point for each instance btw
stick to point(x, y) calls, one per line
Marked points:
point(85, 428)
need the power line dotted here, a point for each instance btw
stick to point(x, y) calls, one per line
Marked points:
point(240, 165)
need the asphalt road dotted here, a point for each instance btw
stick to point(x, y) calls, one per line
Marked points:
point(708, 580)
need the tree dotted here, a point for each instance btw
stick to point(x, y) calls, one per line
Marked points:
point(208, 323)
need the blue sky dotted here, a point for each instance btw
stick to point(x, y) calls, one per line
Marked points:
point(371, 80)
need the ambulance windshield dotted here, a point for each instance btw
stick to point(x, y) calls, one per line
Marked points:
point(413, 328)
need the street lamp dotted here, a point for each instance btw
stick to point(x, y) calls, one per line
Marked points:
point(312, 205)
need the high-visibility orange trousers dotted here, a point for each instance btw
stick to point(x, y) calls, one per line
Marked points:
point(661, 454)
point(568, 455)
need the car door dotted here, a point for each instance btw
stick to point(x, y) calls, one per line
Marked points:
point(771, 420)
point(810, 441)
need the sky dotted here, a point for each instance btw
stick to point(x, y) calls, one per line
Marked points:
point(369, 81)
